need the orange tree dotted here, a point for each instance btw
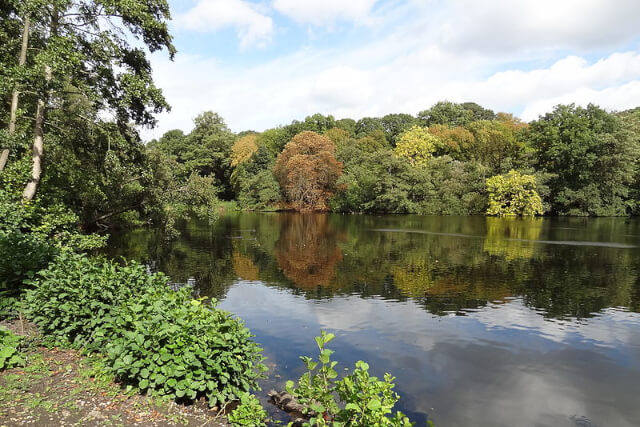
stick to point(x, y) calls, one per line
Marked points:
point(307, 171)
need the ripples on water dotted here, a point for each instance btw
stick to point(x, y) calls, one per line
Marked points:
point(483, 321)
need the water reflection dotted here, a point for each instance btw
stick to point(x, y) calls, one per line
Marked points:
point(446, 264)
point(307, 251)
point(484, 321)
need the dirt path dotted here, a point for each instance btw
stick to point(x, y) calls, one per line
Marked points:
point(61, 388)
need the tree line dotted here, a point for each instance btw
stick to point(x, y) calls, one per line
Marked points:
point(450, 159)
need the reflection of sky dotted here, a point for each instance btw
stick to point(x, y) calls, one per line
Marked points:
point(502, 365)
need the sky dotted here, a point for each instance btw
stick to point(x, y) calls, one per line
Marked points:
point(264, 63)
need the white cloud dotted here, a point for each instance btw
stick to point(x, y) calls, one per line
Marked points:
point(323, 12)
point(354, 85)
point(409, 65)
point(253, 27)
point(498, 26)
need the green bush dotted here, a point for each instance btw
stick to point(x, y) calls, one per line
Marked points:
point(31, 235)
point(248, 413)
point(10, 355)
point(76, 296)
point(168, 342)
point(363, 400)
point(153, 337)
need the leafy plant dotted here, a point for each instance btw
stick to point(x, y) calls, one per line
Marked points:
point(248, 413)
point(78, 295)
point(168, 342)
point(10, 355)
point(363, 400)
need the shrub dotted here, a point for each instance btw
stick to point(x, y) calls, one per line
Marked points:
point(76, 295)
point(364, 400)
point(31, 235)
point(153, 337)
point(9, 349)
point(180, 347)
point(248, 413)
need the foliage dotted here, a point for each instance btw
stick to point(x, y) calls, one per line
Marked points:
point(260, 192)
point(153, 337)
point(513, 194)
point(396, 124)
point(591, 157)
point(452, 114)
point(374, 182)
point(76, 295)
point(496, 144)
point(307, 171)
point(182, 348)
point(31, 235)
point(10, 355)
point(248, 413)
point(363, 400)
point(243, 149)
point(416, 145)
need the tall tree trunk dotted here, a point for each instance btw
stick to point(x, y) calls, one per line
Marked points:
point(4, 156)
point(38, 151)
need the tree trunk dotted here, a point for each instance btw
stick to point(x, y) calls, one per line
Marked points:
point(38, 151)
point(4, 156)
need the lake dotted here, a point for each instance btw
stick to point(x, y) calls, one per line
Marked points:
point(483, 321)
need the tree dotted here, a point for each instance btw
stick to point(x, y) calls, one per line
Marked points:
point(86, 44)
point(395, 124)
point(208, 150)
point(307, 171)
point(172, 142)
point(243, 149)
point(455, 142)
point(452, 114)
point(513, 194)
point(367, 125)
point(416, 145)
point(496, 144)
point(348, 125)
point(591, 157)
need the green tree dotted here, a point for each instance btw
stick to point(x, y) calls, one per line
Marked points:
point(208, 150)
point(453, 114)
point(513, 194)
point(87, 45)
point(591, 157)
point(395, 124)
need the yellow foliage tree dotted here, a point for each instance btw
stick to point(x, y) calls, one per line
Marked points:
point(416, 145)
point(513, 194)
point(243, 149)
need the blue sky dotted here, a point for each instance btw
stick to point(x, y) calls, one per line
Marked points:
point(264, 63)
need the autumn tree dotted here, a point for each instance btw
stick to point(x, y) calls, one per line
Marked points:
point(307, 171)
point(416, 145)
point(243, 149)
point(513, 194)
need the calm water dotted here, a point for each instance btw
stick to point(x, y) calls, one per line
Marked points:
point(483, 321)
